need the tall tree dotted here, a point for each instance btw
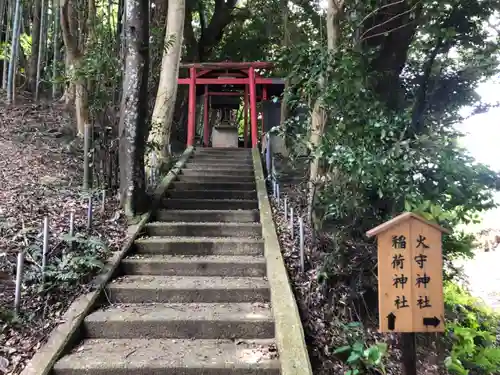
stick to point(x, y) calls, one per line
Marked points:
point(56, 37)
point(133, 113)
point(7, 31)
point(210, 29)
point(163, 112)
point(14, 47)
point(41, 47)
point(35, 45)
point(334, 13)
point(74, 58)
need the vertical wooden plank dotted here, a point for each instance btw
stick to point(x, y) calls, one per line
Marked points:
point(427, 283)
point(394, 279)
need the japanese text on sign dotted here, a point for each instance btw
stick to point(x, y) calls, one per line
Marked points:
point(400, 280)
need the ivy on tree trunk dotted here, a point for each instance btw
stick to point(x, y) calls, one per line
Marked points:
point(133, 112)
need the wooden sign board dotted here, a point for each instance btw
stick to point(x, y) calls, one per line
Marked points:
point(410, 275)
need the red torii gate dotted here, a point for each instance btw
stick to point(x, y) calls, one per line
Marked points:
point(227, 73)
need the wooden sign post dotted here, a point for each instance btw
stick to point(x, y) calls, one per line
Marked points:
point(410, 279)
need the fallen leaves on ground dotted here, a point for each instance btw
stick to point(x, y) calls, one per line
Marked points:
point(40, 176)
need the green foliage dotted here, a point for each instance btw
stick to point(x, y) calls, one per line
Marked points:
point(25, 43)
point(374, 168)
point(85, 260)
point(4, 50)
point(368, 152)
point(8, 315)
point(362, 358)
point(456, 245)
point(473, 329)
point(101, 68)
point(75, 266)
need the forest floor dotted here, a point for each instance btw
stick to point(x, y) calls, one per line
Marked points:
point(322, 329)
point(40, 176)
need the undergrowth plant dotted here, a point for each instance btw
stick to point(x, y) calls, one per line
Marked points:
point(362, 358)
point(82, 258)
point(473, 330)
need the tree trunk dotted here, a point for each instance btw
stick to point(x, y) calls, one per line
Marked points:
point(133, 113)
point(319, 117)
point(279, 144)
point(211, 32)
point(69, 30)
point(56, 46)
point(69, 90)
point(41, 45)
point(286, 43)
point(8, 36)
point(333, 14)
point(157, 31)
point(3, 7)
point(18, 54)
point(3, 28)
point(89, 38)
point(163, 113)
point(74, 58)
point(13, 52)
point(35, 45)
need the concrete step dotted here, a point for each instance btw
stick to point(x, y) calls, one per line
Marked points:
point(224, 150)
point(228, 161)
point(212, 194)
point(182, 321)
point(213, 216)
point(213, 167)
point(187, 289)
point(234, 177)
point(199, 246)
point(220, 157)
point(156, 228)
point(183, 186)
point(217, 172)
point(222, 161)
point(210, 204)
point(171, 357)
point(209, 265)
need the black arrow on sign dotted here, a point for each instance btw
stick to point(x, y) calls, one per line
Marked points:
point(434, 321)
point(391, 321)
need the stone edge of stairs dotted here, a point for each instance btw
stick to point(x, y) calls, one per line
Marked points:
point(289, 332)
point(64, 335)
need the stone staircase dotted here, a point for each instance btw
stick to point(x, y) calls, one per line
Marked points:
point(192, 297)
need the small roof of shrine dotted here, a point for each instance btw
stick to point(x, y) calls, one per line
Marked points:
point(401, 218)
